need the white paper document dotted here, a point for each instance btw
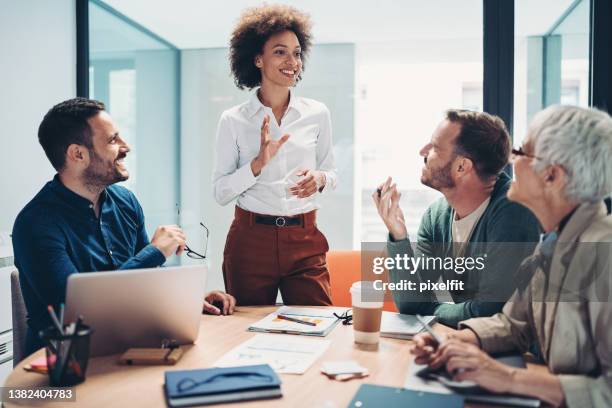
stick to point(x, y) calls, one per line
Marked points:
point(285, 354)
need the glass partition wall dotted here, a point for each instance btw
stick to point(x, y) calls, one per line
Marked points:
point(551, 58)
point(136, 75)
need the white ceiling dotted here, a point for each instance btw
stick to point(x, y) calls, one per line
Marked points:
point(206, 24)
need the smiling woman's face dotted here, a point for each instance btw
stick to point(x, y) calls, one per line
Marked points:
point(281, 60)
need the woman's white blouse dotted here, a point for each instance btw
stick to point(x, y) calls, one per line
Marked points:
point(309, 147)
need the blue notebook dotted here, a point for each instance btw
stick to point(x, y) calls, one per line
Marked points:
point(369, 395)
point(217, 385)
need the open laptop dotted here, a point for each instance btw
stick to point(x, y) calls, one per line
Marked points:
point(137, 308)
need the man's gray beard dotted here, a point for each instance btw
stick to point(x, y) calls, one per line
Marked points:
point(440, 178)
point(94, 178)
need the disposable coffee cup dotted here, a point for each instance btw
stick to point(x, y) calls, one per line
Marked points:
point(367, 305)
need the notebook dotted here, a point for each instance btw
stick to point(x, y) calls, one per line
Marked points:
point(370, 395)
point(323, 319)
point(39, 365)
point(402, 326)
point(217, 385)
point(474, 393)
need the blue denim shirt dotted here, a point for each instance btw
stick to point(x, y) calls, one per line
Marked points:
point(58, 234)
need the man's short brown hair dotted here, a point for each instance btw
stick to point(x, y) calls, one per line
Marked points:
point(67, 123)
point(483, 139)
point(255, 26)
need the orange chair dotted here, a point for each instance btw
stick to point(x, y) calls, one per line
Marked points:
point(344, 269)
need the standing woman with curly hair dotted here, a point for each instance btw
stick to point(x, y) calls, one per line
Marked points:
point(274, 155)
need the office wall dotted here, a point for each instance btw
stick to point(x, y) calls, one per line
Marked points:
point(37, 70)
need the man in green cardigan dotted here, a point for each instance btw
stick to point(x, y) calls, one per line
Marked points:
point(464, 161)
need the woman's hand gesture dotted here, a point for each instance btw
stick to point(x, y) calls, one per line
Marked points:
point(267, 148)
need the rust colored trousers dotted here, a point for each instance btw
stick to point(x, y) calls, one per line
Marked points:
point(261, 259)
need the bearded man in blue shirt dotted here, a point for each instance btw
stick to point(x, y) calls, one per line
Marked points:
point(81, 221)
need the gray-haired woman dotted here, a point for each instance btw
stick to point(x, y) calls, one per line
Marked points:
point(563, 172)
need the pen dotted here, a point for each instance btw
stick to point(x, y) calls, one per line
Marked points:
point(78, 323)
point(293, 319)
point(56, 322)
point(73, 361)
point(436, 338)
point(61, 319)
point(68, 359)
point(429, 330)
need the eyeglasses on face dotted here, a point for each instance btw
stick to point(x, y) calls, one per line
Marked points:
point(521, 152)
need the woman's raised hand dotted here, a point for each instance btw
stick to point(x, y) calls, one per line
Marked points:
point(267, 148)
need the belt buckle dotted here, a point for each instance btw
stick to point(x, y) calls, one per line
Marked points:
point(280, 221)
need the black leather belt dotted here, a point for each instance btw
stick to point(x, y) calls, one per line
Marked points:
point(278, 221)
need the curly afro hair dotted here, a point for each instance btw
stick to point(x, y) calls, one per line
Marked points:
point(254, 27)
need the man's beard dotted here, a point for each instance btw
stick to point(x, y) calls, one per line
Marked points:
point(440, 177)
point(100, 174)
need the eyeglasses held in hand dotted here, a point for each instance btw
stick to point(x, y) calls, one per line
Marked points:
point(195, 255)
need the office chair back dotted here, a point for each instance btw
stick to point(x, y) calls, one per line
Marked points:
point(19, 319)
point(344, 269)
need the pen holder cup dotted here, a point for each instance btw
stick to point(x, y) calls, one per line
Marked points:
point(67, 355)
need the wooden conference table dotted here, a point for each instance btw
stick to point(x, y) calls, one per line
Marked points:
point(109, 384)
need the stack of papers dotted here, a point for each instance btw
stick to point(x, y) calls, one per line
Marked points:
point(323, 319)
point(285, 354)
point(402, 326)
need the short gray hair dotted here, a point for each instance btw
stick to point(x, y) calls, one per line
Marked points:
point(580, 141)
